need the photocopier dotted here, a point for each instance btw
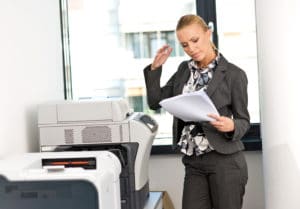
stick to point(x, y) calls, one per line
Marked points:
point(60, 180)
point(103, 125)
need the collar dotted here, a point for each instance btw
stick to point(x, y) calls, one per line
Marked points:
point(211, 66)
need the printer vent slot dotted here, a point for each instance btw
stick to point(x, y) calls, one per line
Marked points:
point(96, 134)
point(69, 136)
point(86, 163)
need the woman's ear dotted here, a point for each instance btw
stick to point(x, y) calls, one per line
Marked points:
point(208, 33)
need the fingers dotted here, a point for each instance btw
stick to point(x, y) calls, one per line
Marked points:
point(214, 116)
point(217, 122)
point(221, 123)
point(161, 56)
point(166, 49)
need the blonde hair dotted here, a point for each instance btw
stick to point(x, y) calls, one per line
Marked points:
point(190, 19)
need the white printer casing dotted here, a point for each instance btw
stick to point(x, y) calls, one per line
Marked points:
point(28, 168)
point(99, 122)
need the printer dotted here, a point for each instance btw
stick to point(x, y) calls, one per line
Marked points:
point(108, 124)
point(66, 180)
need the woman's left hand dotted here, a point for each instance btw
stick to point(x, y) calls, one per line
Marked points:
point(222, 123)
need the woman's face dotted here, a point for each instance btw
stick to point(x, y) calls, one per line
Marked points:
point(195, 41)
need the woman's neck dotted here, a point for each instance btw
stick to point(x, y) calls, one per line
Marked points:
point(208, 59)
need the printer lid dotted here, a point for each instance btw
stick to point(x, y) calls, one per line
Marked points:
point(48, 194)
point(111, 109)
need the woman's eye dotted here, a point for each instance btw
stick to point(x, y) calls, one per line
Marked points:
point(195, 40)
point(184, 45)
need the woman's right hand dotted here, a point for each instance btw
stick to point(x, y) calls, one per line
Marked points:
point(161, 56)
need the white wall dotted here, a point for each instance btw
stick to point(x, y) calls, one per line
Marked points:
point(166, 173)
point(31, 69)
point(278, 35)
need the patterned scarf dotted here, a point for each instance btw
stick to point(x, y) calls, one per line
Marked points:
point(193, 140)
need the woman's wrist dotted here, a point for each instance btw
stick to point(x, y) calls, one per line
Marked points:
point(152, 67)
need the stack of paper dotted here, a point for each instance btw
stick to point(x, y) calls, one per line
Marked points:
point(193, 106)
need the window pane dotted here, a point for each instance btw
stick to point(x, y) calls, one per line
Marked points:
point(237, 41)
point(133, 44)
point(112, 41)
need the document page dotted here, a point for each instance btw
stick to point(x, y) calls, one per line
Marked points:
point(193, 106)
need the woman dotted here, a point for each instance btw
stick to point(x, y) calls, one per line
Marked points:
point(215, 167)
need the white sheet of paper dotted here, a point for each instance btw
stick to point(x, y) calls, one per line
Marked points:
point(193, 106)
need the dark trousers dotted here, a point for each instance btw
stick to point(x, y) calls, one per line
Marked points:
point(215, 181)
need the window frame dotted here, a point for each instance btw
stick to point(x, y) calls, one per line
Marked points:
point(207, 10)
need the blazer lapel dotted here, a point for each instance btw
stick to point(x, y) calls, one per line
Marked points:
point(183, 77)
point(218, 76)
point(213, 84)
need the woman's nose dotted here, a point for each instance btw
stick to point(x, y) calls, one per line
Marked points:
point(191, 49)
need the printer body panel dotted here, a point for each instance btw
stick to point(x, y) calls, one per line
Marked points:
point(83, 133)
point(28, 168)
point(69, 111)
point(137, 132)
point(69, 194)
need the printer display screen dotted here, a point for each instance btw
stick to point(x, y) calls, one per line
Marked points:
point(69, 194)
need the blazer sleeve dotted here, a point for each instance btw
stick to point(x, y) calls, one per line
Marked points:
point(240, 112)
point(156, 93)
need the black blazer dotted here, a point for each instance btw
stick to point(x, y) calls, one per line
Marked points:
point(228, 92)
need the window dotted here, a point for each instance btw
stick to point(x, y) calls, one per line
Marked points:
point(145, 44)
point(234, 26)
point(108, 43)
point(237, 40)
